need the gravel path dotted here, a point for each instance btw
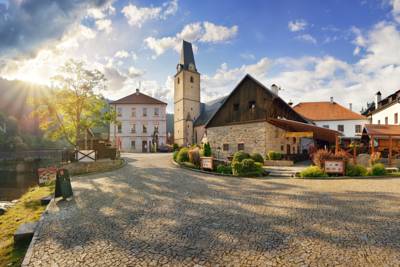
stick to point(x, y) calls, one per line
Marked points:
point(151, 213)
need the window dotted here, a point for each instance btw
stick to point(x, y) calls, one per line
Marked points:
point(396, 118)
point(386, 120)
point(144, 129)
point(241, 146)
point(144, 112)
point(119, 128)
point(133, 112)
point(119, 112)
point(225, 147)
point(156, 129)
point(191, 79)
point(156, 111)
point(325, 126)
point(252, 104)
point(340, 128)
point(379, 121)
point(133, 128)
point(236, 107)
point(358, 128)
point(178, 80)
point(133, 144)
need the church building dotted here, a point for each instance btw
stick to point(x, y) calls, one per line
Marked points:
point(251, 118)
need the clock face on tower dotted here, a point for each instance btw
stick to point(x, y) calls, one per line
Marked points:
point(191, 66)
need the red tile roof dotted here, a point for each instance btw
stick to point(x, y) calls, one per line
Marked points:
point(138, 98)
point(326, 111)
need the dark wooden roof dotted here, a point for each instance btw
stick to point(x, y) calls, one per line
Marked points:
point(138, 98)
point(208, 109)
point(319, 133)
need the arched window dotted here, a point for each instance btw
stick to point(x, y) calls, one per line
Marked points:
point(191, 79)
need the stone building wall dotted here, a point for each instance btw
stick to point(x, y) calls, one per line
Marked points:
point(259, 137)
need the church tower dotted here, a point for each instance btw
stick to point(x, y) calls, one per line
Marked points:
point(186, 96)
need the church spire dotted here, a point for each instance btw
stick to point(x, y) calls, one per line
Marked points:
point(186, 61)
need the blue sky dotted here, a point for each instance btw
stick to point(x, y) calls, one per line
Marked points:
point(312, 49)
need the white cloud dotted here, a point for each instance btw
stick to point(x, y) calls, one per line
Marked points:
point(356, 51)
point(248, 56)
point(134, 72)
point(137, 16)
point(297, 25)
point(121, 54)
point(205, 32)
point(308, 38)
point(216, 33)
point(104, 25)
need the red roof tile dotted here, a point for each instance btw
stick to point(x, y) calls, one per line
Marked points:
point(326, 111)
point(138, 98)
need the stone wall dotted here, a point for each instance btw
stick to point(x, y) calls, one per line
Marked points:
point(259, 137)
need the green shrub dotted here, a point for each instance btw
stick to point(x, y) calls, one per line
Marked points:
point(313, 171)
point(272, 155)
point(247, 168)
point(194, 156)
point(207, 150)
point(175, 155)
point(257, 157)
point(224, 169)
point(356, 170)
point(183, 155)
point(240, 156)
point(176, 147)
point(378, 169)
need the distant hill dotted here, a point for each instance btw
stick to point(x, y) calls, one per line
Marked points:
point(170, 123)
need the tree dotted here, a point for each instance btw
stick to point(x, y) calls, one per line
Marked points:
point(74, 105)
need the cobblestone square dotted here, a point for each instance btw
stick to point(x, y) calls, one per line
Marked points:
point(151, 213)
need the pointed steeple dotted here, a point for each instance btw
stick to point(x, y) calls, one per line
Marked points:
point(186, 61)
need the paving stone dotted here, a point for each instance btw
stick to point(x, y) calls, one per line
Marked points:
point(152, 213)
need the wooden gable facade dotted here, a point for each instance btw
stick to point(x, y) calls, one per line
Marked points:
point(251, 101)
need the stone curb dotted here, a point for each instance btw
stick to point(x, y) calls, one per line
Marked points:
point(29, 252)
point(215, 173)
point(346, 178)
point(124, 163)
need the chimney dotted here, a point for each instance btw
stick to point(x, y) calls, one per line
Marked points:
point(378, 98)
point(351, 106)
point(331, 99)
point(275, 89)
point(137, 91)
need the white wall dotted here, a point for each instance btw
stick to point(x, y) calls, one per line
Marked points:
point(387, 112)
point(349, 126)
point(127, 120)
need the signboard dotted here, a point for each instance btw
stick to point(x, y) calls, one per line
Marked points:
point(335, 166)
point(47, 174)
point(206, 163)
point(86, 155)
point(299, 134)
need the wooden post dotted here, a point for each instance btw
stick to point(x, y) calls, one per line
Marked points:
point(336, 144)
point(372, 145)
point(390, 150)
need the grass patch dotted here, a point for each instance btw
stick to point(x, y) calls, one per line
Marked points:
point(28, 209)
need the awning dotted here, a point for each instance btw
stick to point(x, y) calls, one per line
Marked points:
point(319, 133)
point(381, 130)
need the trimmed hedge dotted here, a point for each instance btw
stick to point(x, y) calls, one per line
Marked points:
point(312, 171)
point(224, 169)
point(257, 157)
point(240, 156)
point(207, 150)
point(183, 155)
point(356, 170)
point(247, 167)
point(378, 169)
point(272, 155)
point(175, 155)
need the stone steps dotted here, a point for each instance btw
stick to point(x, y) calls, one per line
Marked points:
point(25, 232)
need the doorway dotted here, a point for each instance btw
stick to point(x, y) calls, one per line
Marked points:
point(144, 146)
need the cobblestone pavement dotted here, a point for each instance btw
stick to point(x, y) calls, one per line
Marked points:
point(151, 213)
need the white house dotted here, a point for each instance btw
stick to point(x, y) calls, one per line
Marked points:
point(142, 124)
point(386, 110)
point(333, 116)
